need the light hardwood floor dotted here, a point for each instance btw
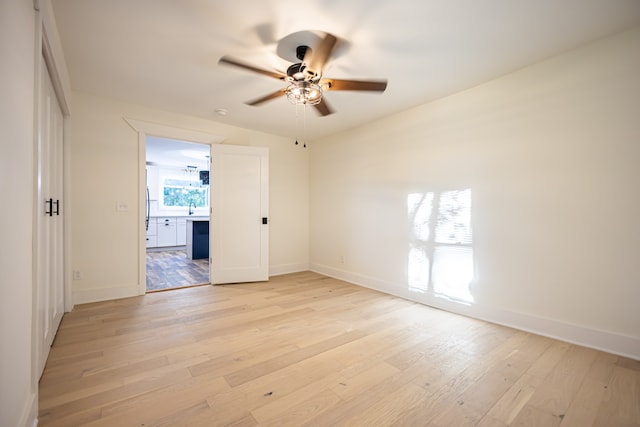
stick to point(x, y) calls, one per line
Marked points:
point(304, 349)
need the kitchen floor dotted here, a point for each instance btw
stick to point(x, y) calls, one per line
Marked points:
point(172, 269)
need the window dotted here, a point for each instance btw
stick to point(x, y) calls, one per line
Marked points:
point(181, 189)
point(179, 193)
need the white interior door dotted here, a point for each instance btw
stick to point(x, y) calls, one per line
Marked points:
point(239, 230)
point(49, 292)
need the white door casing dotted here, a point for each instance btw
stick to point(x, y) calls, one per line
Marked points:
point(143, 129)
point(239, 229)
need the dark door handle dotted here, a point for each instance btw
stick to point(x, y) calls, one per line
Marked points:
point(50, 211)
point(58, 207)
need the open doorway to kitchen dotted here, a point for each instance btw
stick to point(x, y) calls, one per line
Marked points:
point(177, 213)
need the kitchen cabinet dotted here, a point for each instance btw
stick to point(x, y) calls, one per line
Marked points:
point(181, 232)
point(169, 231)
point(152, 233)
point(197, 239)
point(167, 227)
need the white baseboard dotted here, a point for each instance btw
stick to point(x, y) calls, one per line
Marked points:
point(278, 270)
point(610, 342)
point(82, 296)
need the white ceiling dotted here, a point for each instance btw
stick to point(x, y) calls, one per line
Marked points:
point(164, 53)
point(171, 152)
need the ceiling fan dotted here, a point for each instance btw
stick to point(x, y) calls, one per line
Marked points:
point(305, 82)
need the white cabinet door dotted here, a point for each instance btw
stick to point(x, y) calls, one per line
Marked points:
point(152, 233)
point(181, 231)
point(167, 231)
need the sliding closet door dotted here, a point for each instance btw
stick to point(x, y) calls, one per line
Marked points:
point(49, 290)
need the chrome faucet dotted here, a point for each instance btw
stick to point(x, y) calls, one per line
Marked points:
point(194, 206)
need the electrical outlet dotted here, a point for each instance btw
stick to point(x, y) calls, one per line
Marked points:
point(341, 259)
point(122, 206)
point(76, 275)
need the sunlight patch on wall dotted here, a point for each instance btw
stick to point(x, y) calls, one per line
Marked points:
point(440, 258)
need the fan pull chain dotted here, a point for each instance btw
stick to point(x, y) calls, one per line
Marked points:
point(297, 123)
point(304, 124)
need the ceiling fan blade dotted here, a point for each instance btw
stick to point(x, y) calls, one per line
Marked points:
point(323, 108)
point(319, 55)
point(236, 63)
point(369, 85)
point(266, 98)
point(266, 33)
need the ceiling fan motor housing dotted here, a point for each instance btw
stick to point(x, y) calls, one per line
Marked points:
point(300, 71)
point(301, 51)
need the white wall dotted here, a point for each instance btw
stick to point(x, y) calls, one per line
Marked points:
point(551, 154)
point(104, 170)
point(18, 399)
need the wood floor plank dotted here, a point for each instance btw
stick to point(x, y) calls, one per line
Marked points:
point(532, 416)
point(559, 388)
point(512, 401)
point(583, 409)
point(161, 403)
point(305, 403)
point(389, 409)
point(349, 387)
point(103, 376)
point(116, 394)
point(621, 401)
point(306, 349)
point(298, 414)
point(271, 387)
point(247, 374)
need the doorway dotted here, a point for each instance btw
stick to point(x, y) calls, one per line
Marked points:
point(177, 205)
point(227, 212)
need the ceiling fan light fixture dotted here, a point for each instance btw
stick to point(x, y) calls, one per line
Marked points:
point(303, 92)
point(304, 79)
